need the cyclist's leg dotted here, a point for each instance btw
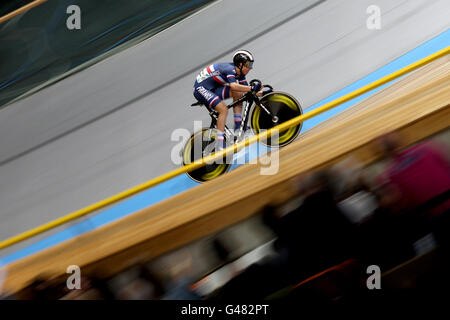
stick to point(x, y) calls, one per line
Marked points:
point(222, 109)
point(237, 109)
point(213, 101)
point(222, 93)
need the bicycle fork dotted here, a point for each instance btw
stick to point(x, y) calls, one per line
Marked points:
point(245, 117)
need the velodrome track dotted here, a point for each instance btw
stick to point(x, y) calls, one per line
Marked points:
point(417, 105)
point(47, 172)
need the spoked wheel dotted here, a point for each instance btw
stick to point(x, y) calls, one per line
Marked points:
point(202, 144)
point(284, 107)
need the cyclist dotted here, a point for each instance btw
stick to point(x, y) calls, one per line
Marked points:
point(221, 81)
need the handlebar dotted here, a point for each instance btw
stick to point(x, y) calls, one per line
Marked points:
point(264, 86)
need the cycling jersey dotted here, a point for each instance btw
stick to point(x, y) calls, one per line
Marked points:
point(217, 75)
point(212, 84)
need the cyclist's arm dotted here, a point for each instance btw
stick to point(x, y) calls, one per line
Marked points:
point(242, 88)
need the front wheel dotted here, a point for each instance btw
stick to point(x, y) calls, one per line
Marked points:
point(284, 107)
point(200, 145)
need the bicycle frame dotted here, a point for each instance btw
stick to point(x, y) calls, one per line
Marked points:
point(250, 98)
point(286, 107)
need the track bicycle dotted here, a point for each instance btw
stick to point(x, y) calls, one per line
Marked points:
point(268, 111)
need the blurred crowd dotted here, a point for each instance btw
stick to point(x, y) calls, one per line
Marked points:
point(347, 217)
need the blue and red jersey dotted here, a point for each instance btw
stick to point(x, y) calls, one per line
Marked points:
point(218, 75)
point(212, 84)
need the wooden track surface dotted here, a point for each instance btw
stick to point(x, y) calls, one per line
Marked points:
point(418, 105)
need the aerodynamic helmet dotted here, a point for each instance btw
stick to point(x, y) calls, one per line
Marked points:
point(244, 57)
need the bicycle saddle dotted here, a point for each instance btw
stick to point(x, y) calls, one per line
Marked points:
point(196, 104)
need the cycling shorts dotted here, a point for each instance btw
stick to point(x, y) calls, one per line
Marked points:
point(211, 98)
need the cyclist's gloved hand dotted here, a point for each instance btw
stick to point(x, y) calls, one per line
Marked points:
point(266, 91)
point(256, 87)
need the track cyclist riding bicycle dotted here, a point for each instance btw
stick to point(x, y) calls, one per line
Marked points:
point(221, 81)
point(254, 108)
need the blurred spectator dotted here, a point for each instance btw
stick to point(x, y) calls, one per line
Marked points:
point(311, 238)
point(221, 251)
point(225, 248)
point(142, 285)
point(352, 192)
point(317, 230)
point(419, 173)
point(158, 288)
point(384, 237)
point(180, 279)
point(179, 289)
point(137, 289)
point(416, 176)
